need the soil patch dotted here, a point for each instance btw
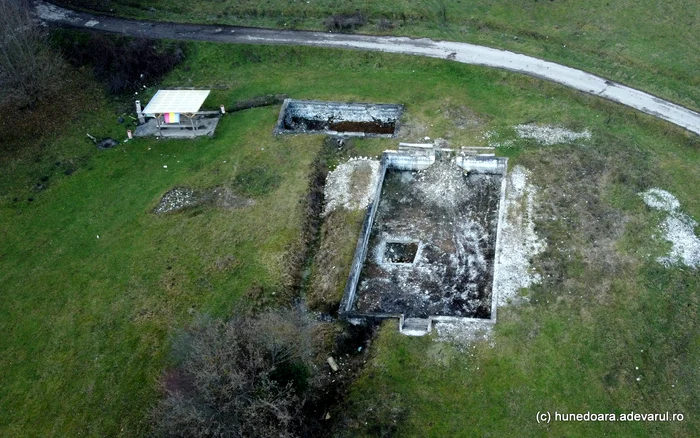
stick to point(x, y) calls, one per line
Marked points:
point(257, 102)
point(350, 351)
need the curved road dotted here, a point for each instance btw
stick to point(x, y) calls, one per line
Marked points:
point(461, 52)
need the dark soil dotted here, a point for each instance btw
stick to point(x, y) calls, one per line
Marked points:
point(310, 125)
point(366, 127)
point(106, 143)
point(257, 102)
point(397, 252)
point(323, 409)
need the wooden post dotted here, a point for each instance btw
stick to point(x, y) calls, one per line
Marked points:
point(158, 124)
point(191, 116)
point(139, 113)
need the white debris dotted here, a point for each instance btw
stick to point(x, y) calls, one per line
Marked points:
point(49, 12)
point(678, 228)
point(549, 135)
point(660, 199)
point(176, 199)
point(351, 185)
point(494, 140)
point(518, 241)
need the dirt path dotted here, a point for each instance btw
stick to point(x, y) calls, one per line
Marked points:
point(459, 52)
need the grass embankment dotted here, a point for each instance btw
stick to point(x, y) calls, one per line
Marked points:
point(86, 321)
point(647, 45)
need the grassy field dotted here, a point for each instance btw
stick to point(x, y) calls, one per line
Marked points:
point(643, 44)
point(87, 321)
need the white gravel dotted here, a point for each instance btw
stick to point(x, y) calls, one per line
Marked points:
point(518, 240)
point(660, 199)
point(678, 228)
point(176, 199)
point(462, 333)
point(49, 12)
point(351, 185)
point(549, 135)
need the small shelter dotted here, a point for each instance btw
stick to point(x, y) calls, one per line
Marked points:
point(170, 104)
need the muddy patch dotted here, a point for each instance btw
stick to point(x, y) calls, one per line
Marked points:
point(181, 198)
point(356, 119)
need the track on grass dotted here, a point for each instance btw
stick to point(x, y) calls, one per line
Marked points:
point(50, 14)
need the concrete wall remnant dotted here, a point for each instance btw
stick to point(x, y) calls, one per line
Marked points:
point(449, 208)
point(338, 118)
point(481, 164)
point(409, 161)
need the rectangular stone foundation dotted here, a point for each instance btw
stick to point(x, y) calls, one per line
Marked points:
point(337, 118)
point(449, 207)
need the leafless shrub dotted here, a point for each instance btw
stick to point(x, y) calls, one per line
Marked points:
point(124, 64)
point(29, 70)
point(246, 377)
point(385, 25)
point(345, 22)
point(90, 5)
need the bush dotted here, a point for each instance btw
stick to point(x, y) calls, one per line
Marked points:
point(345, 22)
point(245, 377)
point(29, 70)
point(90, 5)
point(124, 64)
point(385, 25)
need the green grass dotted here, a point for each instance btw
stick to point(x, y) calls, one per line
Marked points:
point(647, 44)
point(548, 357)
point(86, 321)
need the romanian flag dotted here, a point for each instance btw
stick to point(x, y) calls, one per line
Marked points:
point(172, 117)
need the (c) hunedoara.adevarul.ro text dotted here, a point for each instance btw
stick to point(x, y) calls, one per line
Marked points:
point(548, 417)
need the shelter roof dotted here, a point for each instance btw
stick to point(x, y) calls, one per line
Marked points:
point(176, 101)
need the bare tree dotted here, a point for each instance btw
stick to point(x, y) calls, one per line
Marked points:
point(29, 69)
point(242, 378)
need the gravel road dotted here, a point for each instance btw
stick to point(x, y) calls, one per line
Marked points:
point(50, 14)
